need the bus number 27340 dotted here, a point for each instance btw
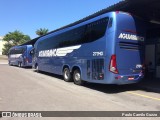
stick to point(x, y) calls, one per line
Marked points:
point(98, 53)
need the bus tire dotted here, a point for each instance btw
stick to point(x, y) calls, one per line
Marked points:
point(77, 77)
point(67, 75)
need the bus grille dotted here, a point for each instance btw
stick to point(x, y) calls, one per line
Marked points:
point(97, 69)
point(130, 46)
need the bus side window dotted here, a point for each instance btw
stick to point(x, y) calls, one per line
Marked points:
point(110, 22)
point(96, 30)
point(31, 52)
point(72, 37)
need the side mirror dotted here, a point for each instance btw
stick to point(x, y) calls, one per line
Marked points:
point(31, 52)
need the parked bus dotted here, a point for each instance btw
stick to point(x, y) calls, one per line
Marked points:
point(106, 49)
point(20, 56)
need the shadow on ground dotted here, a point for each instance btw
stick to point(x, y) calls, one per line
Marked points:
point(26, 67)
point(144, 85)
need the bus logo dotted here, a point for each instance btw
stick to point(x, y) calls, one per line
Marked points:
point(58, 52)
point(130, 37)
point(138, 66)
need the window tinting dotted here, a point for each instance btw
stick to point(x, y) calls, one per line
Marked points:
point(96, 30)
point(83, 34)
point(110, 22)
point(72, 37)
point(17, 50)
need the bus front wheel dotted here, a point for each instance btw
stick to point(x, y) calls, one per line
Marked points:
point(77, 77)
point(67, 75)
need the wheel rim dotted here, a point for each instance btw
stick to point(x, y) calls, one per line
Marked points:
point(66, 74)
point(77, 76)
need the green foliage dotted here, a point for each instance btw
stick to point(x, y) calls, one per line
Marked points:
point(7, 46)
point(13, 39)
point(41, 31)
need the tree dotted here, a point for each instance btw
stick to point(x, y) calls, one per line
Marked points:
point(41, 31)
point(13, 39)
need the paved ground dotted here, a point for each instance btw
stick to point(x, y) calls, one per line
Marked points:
point(25, 90)
point(3, 59)
point(3, 62)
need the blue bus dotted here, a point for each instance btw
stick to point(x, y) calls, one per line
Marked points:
point(107, 49)
point(20, 56)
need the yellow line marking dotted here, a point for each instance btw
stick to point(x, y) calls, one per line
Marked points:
point(144, 96)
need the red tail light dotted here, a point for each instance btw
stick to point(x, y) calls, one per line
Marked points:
point(113, 65)
point(27, 60)
point(117, 12)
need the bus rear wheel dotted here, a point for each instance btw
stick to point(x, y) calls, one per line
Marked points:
point(67, 75)
point(77, 77)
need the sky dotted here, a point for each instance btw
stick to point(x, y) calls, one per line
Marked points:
point(29, 15)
